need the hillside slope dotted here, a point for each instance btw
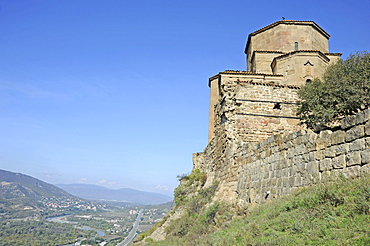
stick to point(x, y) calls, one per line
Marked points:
point(335, 213)
point(23, 196)
point(16, 185)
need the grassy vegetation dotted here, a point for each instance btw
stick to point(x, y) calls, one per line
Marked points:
point(336, 213)
point(189, 184)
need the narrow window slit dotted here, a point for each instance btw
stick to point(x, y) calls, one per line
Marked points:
point(277, 106)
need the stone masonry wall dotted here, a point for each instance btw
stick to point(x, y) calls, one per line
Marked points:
point(250, 172)
point(282, 163)
point(262, 110)
point(253, 111)
point(237, 121)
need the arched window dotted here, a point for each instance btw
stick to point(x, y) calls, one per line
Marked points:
point(308, 81)
point(296, 46)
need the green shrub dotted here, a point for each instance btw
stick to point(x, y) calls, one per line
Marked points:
point(181, 177)
point(197, 175)
point(189, 184)
point(211, 212)
point(180, 227)
point(180, 194)
point(345, 90)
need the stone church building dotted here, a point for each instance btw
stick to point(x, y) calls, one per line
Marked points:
point(255, 104)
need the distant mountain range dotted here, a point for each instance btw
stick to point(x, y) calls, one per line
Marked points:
point(95, 192)
point(17, 185)
point(24, 196)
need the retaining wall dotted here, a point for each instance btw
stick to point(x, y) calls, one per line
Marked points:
point(252, 172)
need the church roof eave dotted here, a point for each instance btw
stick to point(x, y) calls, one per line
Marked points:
point(298, 52)
point(236, 72)
point(288, 22)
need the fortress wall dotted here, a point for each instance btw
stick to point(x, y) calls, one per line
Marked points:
point(250, 172)
point(282, 163)
point(234, 125)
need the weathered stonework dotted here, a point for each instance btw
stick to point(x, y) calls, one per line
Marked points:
point(251, 172)
point(256, 148)
point(281, 57)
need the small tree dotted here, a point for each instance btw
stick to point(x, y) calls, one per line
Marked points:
point(345, 90)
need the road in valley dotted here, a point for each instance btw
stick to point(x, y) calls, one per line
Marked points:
point(132, 233)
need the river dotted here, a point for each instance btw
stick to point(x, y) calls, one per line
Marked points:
point(62, 219)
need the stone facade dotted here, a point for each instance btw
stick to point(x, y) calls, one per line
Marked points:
point(298, 50)
point(285, 53)
point(256, 148)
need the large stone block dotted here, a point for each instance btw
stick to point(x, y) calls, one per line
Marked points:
point(365, 156)
point(363, 116)
point(351, 172)
point(311, 156)
point(312, 167)
point(286, 172)
point(279, 182)
point(319, 155)
point(301, 167)
point(307, 157)
point(367, 128)
point(285, 181)
point(297, 160)
point(323, 141)
point(300, 149)
point(297, 141)
point(353, 158)
point(330, 151)
point(278, 173)
point(341, 149)
point(338, 137)
point(367, 142)
point(339, 162)
point(298, 181)
point(358, 144)
point(325, 164)
point(348, 122)
point(355, 133)
point(365, 169)
point(310, 141)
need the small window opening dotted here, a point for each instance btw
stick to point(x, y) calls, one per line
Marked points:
point(296, 46)
point(308, 81)
point(277, 106)
point(267, 194)
point(223, 118)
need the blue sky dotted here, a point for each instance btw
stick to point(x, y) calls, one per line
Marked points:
point(115, 92)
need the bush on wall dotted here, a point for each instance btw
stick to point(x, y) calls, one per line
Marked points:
point(345, 90)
